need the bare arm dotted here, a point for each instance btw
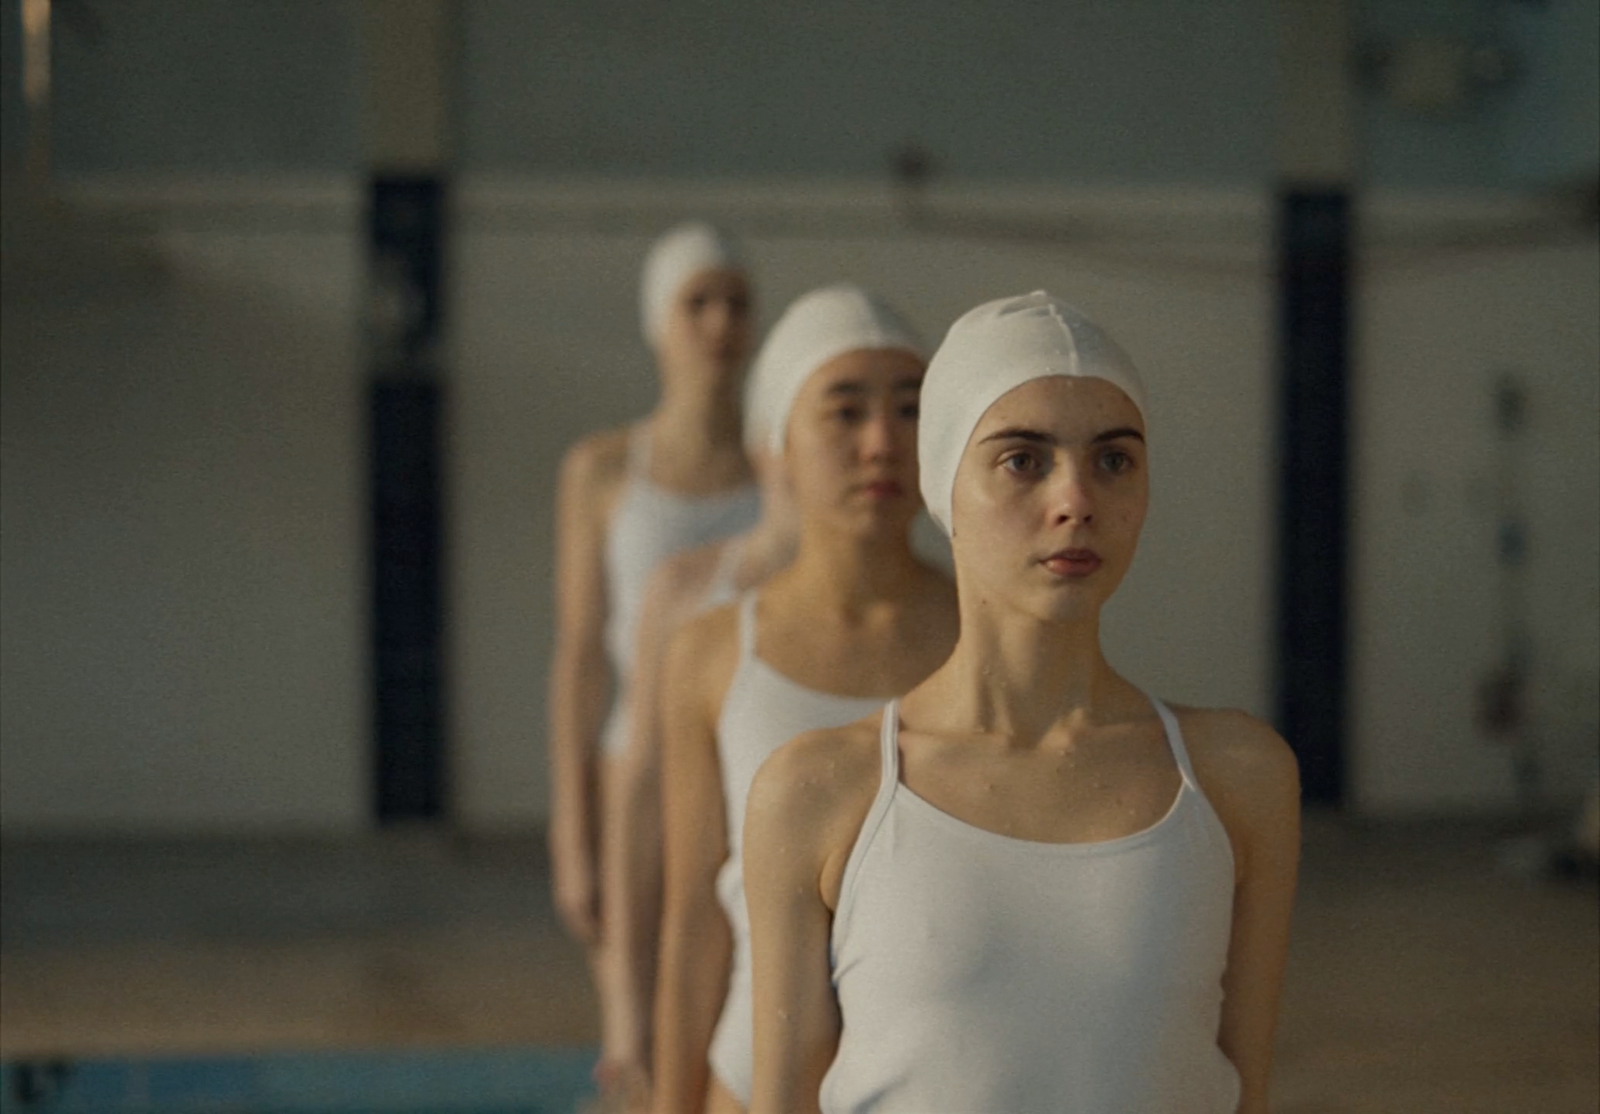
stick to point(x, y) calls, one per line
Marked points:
point(805, 808)
point(578, 689)
point(696, 942)
point(1252, 779)
point(632, 843)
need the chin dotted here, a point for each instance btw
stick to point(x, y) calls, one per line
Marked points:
point(1070, 607)
point(882, 521)
point(715, 370)
point(727, 365)
point(1070, 602)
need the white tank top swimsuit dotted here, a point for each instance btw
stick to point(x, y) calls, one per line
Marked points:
point(979, 974)
point(762, 710)
point(723, 586)
point(649, 525)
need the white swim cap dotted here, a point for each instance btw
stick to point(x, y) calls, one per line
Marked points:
point(992, 350)
point(676, 255)
point(814, 329)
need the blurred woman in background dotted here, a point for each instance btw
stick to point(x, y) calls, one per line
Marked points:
point(684, 586)
point(628, 498)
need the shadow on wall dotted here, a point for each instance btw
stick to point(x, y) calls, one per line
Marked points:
point(183, 627)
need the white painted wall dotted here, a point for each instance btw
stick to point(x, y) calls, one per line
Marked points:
point(1435, 328)
point(180, 561)
point(181, 483)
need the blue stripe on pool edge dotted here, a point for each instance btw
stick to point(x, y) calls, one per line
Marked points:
point(479, 1081)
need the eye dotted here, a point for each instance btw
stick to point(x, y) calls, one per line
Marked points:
point(849, 414)
point(910, 410)
point(1116, 461)
point(1021, 462)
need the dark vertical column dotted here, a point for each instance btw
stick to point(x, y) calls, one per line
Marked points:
point(410, 51)
point(405, 478)
point(1314, 235)
point(1317, 152)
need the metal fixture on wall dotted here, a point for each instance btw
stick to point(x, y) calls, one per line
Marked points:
point(1435, 76)
point(1503, 695)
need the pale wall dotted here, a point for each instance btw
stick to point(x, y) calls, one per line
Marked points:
point(1435, 329)
point(181, 561)
point(183, 635)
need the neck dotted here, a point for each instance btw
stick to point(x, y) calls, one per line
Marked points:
point(847, 573)
point(1013, 674)
point(770, 543)
point(707, 418)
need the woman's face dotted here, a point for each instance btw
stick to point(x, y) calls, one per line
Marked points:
point(707, 327)
point(850, 449)
point(1050, 496)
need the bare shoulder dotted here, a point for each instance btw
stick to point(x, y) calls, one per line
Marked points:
point(702, 655)
point(814, 793)
point(1248, 772)
point(1238, 748)
point(595, 463)
point(818, 768)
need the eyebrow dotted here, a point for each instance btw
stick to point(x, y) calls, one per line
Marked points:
point(1039, 437)
point(1114, 434)
point(851, 387)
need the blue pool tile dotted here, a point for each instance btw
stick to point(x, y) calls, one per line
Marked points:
point(208, 1084)
point(493, 1081)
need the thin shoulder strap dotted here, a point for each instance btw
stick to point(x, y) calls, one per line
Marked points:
point(747, 625)
point(1180, 753)
point(889, 750)
point(888, 780)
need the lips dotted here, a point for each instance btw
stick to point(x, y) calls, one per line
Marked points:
point(882, 489)
point(1072, 563)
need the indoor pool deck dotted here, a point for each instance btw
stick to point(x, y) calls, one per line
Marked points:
point(1424, 977)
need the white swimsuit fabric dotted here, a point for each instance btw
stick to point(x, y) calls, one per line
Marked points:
point(762, 710)
point(977, 973)
point(648, 526)
point(677, 255)
point(992, 350)
point(817, 327)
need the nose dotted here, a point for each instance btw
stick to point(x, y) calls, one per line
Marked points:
point(879, 440)
point(1071, 500)
point(717, 318)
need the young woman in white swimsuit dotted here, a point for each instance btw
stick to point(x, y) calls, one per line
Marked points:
point(856, 618)
point(683, 586)
point(1027, 886)
point(629, 498)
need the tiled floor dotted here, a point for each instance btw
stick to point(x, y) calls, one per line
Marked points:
point(406, 940)
point(1425, 979)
